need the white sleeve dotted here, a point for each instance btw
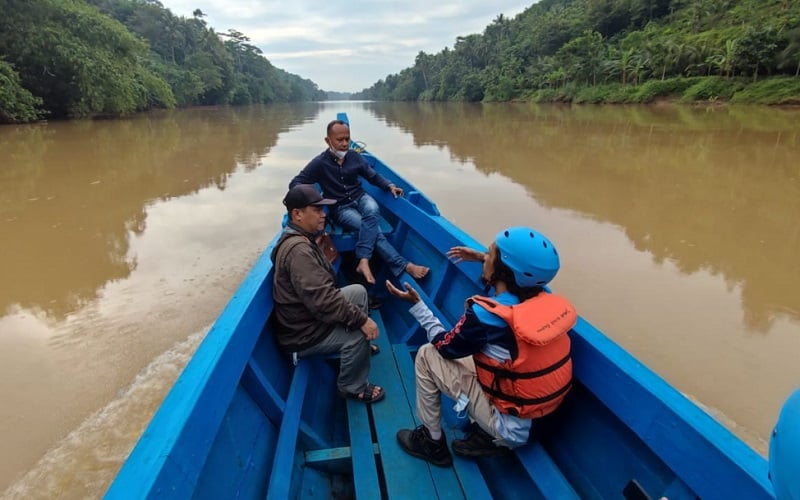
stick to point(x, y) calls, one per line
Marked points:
point(426, 319)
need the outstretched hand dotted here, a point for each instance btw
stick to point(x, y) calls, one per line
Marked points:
point(409, 295)
point(465, 254)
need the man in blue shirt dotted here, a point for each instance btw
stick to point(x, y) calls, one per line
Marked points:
point(337, 171)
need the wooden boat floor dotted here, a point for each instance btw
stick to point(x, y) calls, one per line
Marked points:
point(381, 469)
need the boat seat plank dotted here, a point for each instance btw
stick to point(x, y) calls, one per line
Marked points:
point(467, 479)
point(404, 476)
point(280, 479)
point(544, 472)
point(272, 404)
point(365, 472)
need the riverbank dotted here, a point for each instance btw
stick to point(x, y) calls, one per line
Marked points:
point(775, 91)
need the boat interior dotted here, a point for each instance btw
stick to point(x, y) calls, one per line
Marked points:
point(363, 459)
point(244, 420)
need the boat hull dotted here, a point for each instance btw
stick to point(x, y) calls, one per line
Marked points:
point(242, 421)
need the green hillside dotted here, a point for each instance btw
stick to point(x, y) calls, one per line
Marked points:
point(616, 51)
point(79, 58)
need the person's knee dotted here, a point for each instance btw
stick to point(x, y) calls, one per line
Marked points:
point(356, 294)
point(424, 355)
point(369, 208)
point(350, 218)
point(359, 293)
point(427, 349)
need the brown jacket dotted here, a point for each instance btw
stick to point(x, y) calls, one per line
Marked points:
point(307, 302)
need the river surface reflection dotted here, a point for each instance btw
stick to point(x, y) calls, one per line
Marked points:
point(122, 241)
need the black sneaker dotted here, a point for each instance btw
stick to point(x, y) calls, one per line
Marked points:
point(478, 444)
point(419, 444)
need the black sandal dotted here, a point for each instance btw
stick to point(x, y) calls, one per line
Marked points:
point(367, 395)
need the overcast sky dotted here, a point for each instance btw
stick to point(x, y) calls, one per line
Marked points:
point(348, 46)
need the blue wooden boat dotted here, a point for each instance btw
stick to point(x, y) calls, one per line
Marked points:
point(243, 422)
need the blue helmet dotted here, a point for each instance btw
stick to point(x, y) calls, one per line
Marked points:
point(529, 254)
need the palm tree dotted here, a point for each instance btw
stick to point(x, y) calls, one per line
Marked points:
point(728, 63)
point(672, 54)
point(791, 54)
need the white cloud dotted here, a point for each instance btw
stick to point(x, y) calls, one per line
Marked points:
point(348, 47)
point(308, 54)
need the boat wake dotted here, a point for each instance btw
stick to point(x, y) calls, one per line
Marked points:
point(84, 463)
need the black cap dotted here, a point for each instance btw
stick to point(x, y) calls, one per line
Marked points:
point(303, 195)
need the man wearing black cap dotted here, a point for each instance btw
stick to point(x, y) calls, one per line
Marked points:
point(312, 315)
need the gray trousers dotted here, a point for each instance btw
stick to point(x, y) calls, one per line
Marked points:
point(351, 344)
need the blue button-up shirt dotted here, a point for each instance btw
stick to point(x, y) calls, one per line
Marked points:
point(340, 182)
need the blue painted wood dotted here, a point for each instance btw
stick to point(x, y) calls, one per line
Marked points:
point(545, 473)
point(245, 443)
point(467, 482)
point(263, 393)
point(334, 455)
point(445, 480)
point(578, 444)
point(675, 490)
point(280, 480)
point(405, 476)
point(447, 323)
point(365, 471)
point(709, 458)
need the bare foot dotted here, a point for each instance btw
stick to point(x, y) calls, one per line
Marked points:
point(363, 269)
point(417, 271)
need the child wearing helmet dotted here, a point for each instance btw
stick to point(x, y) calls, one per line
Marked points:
point(507, 360)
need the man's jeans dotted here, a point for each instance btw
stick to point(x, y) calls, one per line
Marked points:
point(362, 216)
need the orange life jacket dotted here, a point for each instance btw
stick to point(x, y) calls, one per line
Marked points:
point(536, 382)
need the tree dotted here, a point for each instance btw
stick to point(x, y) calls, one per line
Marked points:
point(588, 42)
point(78, 61)
point(790, 55)
point(757, 49)
point(727, 63)
point(582, 57)
point(17, 104)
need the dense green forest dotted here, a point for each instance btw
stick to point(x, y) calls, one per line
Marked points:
point(616, 51)
point(90, 58)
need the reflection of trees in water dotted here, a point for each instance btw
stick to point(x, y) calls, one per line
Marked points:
point(712, 189)
point(73, 192)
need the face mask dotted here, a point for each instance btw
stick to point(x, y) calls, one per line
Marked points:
point(338, 154)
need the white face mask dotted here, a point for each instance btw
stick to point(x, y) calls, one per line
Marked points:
point(338, 154)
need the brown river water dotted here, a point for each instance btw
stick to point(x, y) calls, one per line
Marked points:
point(121, 241)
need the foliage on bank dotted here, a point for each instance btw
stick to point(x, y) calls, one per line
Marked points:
point(610, 51)
point(89, 58)
point(17, 104)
